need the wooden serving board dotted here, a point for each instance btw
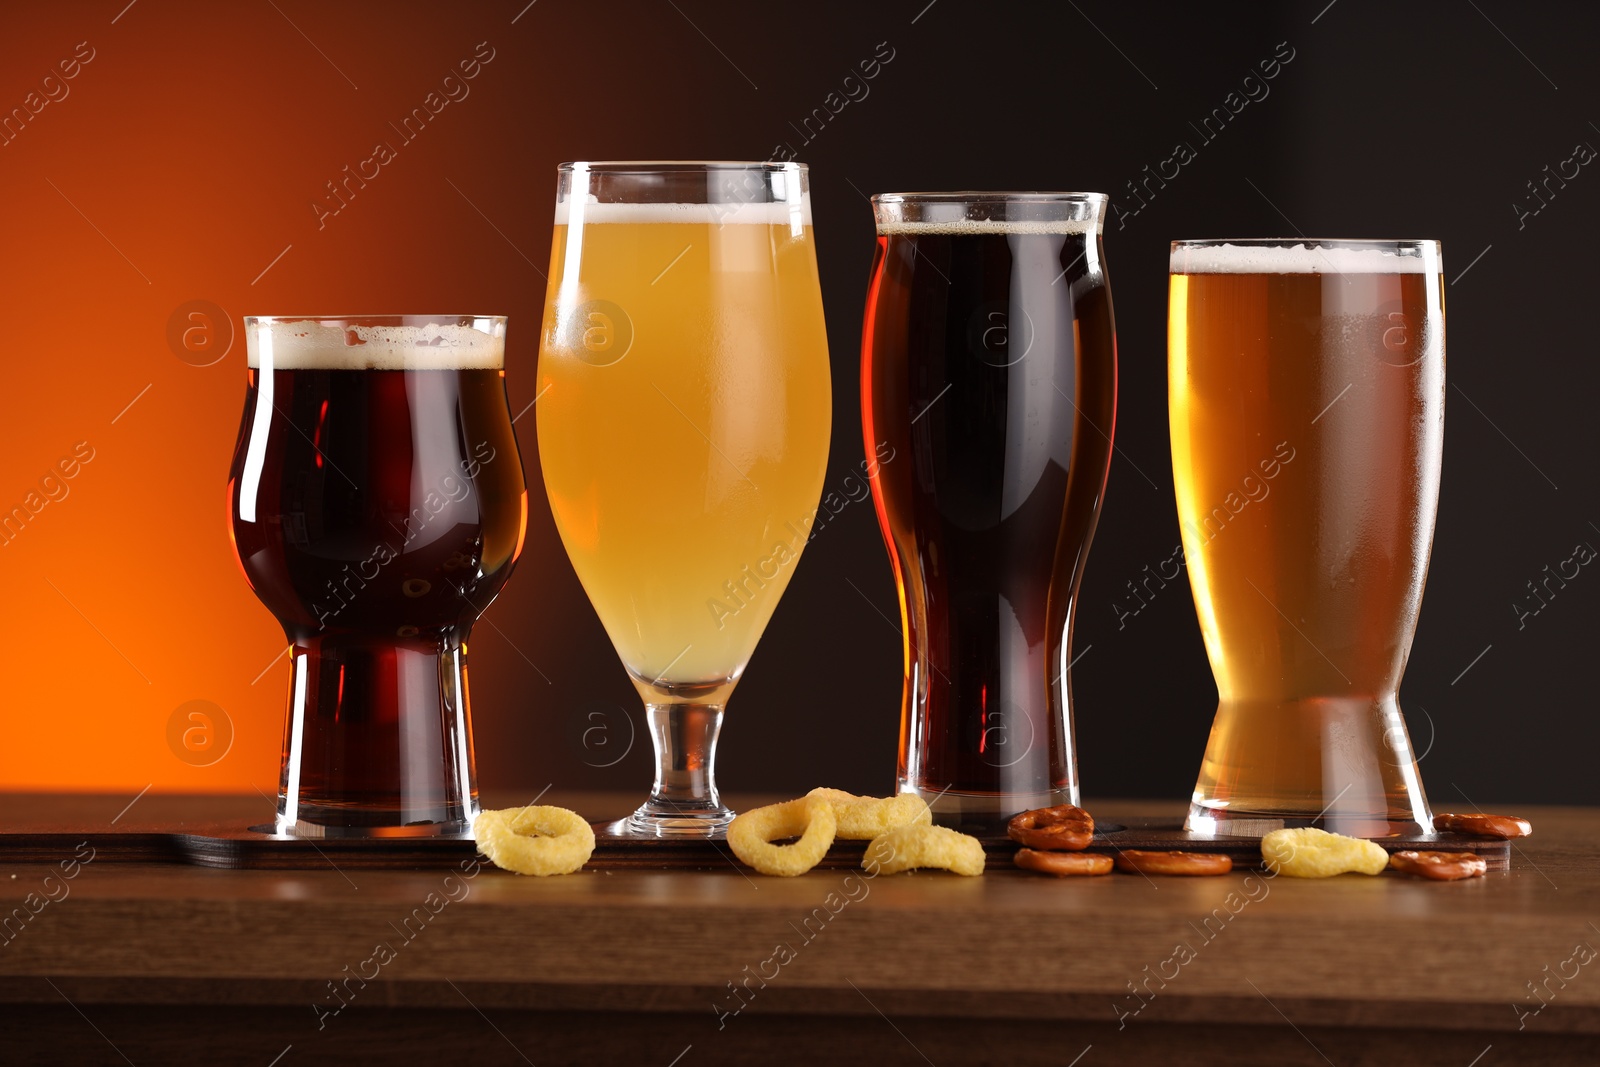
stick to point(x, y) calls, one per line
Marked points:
point(241, 847)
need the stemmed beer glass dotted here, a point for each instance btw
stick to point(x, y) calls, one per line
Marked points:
point(683, 420)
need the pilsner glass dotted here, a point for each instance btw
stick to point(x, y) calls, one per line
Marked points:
point(683, 432)
point(1306, 400)
point(989, 390)
point(377, 506)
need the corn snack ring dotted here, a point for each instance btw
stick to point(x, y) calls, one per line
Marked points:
point(1306, 852)
point(924, 846)
point(535, 840)
point(752, 833)
point(863, 818)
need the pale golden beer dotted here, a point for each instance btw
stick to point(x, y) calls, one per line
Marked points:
point(684, 476)
point(684, 413)
point(1306, 401)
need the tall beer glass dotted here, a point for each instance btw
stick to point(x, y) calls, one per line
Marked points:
point(1306, 397)
point(989, 380)
point(378, 506)
point(683, 431)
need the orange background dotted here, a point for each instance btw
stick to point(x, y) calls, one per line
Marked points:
point(180, 164)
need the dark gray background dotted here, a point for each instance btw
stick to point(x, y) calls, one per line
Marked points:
point(1392, 120)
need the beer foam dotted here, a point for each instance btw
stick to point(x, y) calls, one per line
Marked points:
point(780, 213)
point(309, 344)
point(992, 226)
point(1298, 259)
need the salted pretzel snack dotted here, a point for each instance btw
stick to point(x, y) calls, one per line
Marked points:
point(863, 818)
point(534, 840)
point(1482, 825)
point(1440, 866)
point(751, 835)
point(1062, 864)
point(1201, 864)
point(1065, 826)
point(924, 846)
point(1306, 852)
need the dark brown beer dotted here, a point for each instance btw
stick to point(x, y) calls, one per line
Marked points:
point(376, 513)
point(989, 368)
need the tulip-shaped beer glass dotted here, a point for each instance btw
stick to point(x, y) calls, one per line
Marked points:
point(684, 409)
point(1306, 397)
point(378, 506)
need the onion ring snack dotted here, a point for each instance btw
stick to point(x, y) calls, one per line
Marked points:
point(535, 840)
point(752, 834)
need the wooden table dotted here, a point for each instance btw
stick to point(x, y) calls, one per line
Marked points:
point(148, 963)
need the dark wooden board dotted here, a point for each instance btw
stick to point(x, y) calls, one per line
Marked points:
point(1246, 851)
point(238, 846)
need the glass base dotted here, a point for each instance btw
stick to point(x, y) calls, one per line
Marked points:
point(1342, 764)
point(684, 802)
point(377, 740)
point(665, 819)
point(986, 813)
point(345, 823)
point(1220, 822)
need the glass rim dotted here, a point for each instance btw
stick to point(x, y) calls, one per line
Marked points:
point(977, 196)
point(369, 320)
point(1398, 243)
point(671, 166)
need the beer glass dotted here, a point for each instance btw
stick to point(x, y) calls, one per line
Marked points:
point(1306, 400)
point(988, 393)
point(683, 431)
point(377, 508)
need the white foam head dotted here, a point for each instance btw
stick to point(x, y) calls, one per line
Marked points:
point(1300, 259)
point(1002, 226)
point(309, 344)
point(778, 213)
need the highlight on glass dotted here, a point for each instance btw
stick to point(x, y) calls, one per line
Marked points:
point(378, 506)
point(683, 424)
point(1306, 402)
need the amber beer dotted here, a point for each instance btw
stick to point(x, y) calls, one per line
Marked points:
point(378, 507)
point(989, 367)
point(1306, 398)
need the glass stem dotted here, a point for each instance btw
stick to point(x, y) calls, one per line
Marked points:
point(684, 800)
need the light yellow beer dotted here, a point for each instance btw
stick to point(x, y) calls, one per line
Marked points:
point(683, 417)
